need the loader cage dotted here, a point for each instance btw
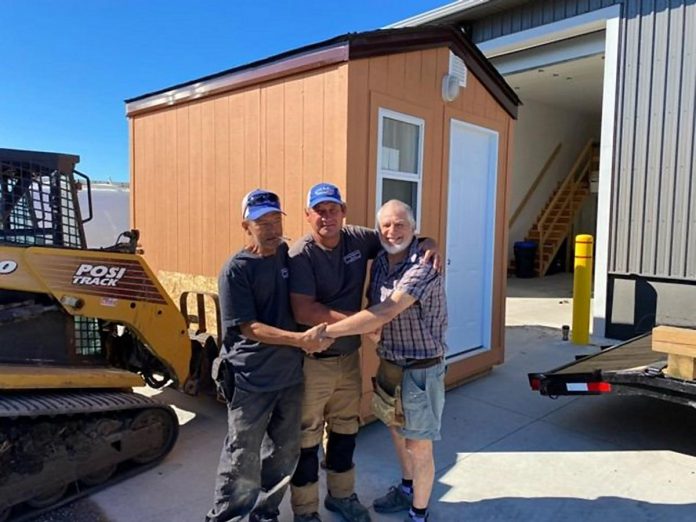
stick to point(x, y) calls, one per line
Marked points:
point(38, 199)
point(39, 207)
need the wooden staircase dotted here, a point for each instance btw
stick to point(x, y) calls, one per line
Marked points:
point(555, 222)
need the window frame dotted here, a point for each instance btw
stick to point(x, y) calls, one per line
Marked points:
point(396, 175)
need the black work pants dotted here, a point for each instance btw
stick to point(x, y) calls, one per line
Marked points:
point(259, 454)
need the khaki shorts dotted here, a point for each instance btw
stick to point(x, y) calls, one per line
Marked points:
point(333, 387)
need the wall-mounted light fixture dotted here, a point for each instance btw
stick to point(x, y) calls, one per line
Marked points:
point(450, 88)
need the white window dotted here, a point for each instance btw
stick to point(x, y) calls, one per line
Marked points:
point(400, 160)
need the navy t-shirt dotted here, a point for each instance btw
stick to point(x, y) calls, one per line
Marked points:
point(255, 288)
point(335, 277)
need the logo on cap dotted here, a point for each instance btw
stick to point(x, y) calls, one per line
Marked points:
point(322, 192)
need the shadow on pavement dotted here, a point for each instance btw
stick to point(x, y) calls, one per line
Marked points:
point(602, 509)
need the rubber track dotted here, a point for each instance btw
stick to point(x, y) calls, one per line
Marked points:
point(32, 404)
point(36, 404)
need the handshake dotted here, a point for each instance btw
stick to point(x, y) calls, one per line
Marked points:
point(315, 339)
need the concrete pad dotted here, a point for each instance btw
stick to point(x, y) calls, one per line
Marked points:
point(181, 487)
point(544, 472)
point(528, 349)
point(557, 285)
point(468, 426)
point(507, 454)
point(634, 423)
point(543, 301)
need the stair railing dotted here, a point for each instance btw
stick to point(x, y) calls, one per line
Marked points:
point(579, 172)
point(542, 173)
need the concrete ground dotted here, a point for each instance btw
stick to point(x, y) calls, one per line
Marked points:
point(507, 454)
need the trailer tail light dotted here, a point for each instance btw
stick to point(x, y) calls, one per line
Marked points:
point(600, 387)
point(535, 384)
point(592, 387)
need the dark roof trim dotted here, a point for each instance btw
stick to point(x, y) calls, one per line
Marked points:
point(336, 50)
point(257, 72)
point(388, 41)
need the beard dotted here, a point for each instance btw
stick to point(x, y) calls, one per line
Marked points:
point(393, 249)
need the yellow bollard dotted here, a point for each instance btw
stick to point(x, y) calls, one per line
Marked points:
point(582, 289)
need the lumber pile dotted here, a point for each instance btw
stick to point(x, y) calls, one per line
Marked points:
point(680, 346)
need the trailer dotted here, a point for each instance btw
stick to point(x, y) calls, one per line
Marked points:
point(628, 368)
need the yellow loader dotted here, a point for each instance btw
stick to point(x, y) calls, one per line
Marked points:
point(79, 328)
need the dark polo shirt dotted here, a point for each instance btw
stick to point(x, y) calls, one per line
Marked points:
point(255, 288)
point(335, 277)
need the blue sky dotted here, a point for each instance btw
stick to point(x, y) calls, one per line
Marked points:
point(68, 65)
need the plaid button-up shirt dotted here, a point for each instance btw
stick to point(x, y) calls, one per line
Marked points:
point(419, 331)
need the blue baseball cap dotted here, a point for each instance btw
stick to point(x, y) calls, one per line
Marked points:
point(258, 203)
point(322, 192)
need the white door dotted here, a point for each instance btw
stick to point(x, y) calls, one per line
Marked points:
point(470, 233)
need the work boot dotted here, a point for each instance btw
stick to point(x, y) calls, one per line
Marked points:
point(305, 499)
point(349, 508)
point(395, 500)
point(309, 517)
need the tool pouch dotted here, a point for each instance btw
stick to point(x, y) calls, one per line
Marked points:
point(386, 397)
point(223, 375)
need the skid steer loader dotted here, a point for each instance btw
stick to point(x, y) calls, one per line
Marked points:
point(79, 328)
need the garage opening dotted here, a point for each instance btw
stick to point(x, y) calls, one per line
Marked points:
point(555, 175)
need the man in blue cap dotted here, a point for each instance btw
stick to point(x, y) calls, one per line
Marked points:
point(259, 369)
point(328, 269)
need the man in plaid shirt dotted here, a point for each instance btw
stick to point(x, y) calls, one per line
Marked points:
point(407, 301)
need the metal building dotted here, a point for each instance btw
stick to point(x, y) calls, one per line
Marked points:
point(644, 57)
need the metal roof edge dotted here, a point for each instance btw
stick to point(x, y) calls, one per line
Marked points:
point(437, 14)
point(340, 49)
point(285, 64)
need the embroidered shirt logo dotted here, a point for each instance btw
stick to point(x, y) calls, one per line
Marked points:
point(98, 275)
point(284, 273)
point(352, 257)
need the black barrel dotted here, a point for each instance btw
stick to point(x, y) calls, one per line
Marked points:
point(525, 253)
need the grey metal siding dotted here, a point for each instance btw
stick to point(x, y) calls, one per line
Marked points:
point(531, 15)
point(653, 221)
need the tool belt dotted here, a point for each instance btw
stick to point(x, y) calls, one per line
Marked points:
point(387, 405)
point(386, 399)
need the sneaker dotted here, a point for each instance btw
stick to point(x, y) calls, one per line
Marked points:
point(310, 517)
point(395, 500)
point(350, 508)
point(411, 518)
point(263, 517)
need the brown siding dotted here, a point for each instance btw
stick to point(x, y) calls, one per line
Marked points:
point(411, 83)
point(191, 164)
